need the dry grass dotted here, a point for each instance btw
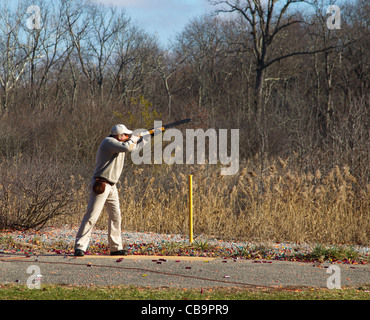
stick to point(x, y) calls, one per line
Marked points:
point(277, 204)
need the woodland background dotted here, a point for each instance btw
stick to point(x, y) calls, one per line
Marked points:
point(297, 90)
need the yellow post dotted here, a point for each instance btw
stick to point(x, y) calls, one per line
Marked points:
point(191, 208)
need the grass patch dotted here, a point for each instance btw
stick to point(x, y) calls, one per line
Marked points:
point(322, 253)
point(60, 292)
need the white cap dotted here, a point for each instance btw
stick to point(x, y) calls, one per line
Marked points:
point(119, 129)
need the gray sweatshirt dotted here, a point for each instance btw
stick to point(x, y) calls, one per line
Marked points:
point(110, 158)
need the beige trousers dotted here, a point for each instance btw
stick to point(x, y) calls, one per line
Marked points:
point(94, 209)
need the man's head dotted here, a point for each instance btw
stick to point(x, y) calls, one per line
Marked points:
point(120, 132)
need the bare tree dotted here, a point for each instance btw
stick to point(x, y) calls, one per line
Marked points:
point(267, 21)
point(79, 27)
point(48, 47)
point(202, 45)
point(15, 50)
point(106, 26)
point(167, 65)
point(132, 65)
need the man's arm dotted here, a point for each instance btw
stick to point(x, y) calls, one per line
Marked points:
point(129, 145)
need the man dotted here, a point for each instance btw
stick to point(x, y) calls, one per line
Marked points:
point(103, 191)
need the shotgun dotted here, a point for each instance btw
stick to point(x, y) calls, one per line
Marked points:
point(151, 132)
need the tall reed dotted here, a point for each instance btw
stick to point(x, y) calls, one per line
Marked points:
point(279, 203)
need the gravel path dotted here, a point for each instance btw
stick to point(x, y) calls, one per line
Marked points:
point(155, 243)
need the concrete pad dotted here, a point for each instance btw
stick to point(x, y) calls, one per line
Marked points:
point(180, 272)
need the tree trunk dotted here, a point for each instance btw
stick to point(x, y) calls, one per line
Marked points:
point(258, 91)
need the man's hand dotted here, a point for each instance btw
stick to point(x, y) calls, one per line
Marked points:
point(135, 139)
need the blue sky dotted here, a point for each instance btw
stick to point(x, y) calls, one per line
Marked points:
point(164, 18)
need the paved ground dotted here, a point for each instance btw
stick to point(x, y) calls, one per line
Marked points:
point(184, 272)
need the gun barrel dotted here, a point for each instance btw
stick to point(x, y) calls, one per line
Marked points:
point(169, 125)
point(151, 132)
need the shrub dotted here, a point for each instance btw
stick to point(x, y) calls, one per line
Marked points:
point(32, 193)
